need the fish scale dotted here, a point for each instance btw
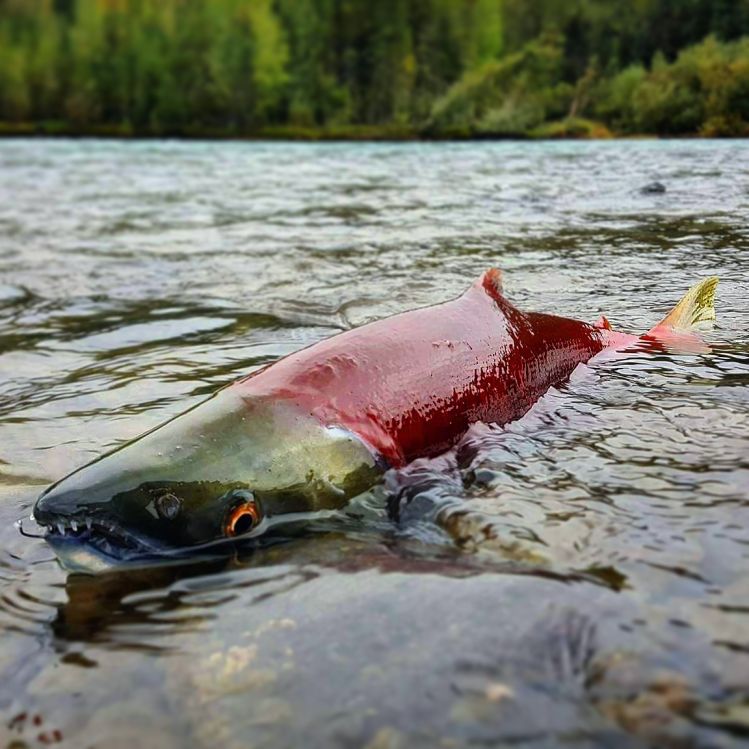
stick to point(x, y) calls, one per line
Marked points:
point(438, 370)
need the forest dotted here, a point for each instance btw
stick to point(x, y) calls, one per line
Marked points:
point(385, 69)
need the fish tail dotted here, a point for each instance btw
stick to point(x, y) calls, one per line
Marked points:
point(695, 310)
point(696, 306)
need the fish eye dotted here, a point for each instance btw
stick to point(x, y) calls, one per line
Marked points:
point(168, 506)
point(242, 518)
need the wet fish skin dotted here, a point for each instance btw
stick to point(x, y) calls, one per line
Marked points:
point(316, 428)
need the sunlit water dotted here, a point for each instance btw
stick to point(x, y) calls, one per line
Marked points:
point(580, 577)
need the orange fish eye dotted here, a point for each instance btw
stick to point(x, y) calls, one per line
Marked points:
point(242, 519)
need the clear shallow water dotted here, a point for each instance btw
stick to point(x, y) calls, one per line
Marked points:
point(581, 577)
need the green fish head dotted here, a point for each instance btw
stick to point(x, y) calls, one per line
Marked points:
point(229, 468)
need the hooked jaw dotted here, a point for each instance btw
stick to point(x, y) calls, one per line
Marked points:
point(71, 521)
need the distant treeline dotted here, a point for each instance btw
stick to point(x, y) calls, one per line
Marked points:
point(397, 68)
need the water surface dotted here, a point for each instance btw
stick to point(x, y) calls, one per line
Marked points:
point(579, 578)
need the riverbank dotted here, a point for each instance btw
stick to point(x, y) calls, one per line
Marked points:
point(568, 129)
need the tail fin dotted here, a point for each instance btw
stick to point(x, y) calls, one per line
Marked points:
point(678, 328)
point(697, 306)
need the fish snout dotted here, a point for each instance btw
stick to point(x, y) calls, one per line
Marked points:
point(63, 511)
point(56, 504)
point(81, 493)
point(73, 518)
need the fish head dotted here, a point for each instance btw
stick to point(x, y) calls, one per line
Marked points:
point(229, 468)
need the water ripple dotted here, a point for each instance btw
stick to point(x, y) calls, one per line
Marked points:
point(588, 564)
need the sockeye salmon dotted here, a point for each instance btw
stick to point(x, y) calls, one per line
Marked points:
point(318, 427)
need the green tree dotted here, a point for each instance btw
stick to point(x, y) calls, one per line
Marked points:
point(462, 66)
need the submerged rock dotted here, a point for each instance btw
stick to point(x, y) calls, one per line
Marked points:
point(653, 188)
point(345, 643)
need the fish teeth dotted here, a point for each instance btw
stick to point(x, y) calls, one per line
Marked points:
point(61, 529)
point(89, 523)
point(74, 526)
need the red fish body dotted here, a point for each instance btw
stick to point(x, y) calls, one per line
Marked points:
point(319, 427)
point(412, 384)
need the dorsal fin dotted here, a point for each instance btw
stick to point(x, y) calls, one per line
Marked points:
point(603, 323)
point(491, 280)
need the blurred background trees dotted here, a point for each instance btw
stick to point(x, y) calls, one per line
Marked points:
point(432, 67)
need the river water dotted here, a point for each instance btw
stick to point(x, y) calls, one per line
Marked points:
point(579, 578)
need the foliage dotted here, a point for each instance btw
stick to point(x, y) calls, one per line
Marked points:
point(405, 67)
point(705, 90)
point(508, 96)
point(571, 127)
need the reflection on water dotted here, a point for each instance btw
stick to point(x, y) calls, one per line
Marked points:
point(581, 576)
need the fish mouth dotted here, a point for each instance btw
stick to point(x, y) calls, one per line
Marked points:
point(98, 535)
